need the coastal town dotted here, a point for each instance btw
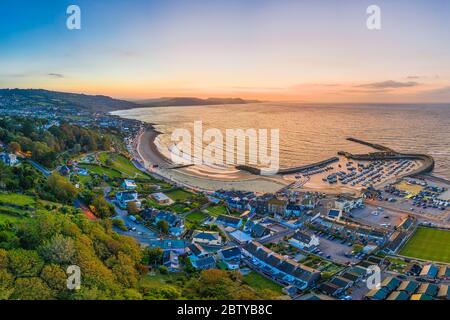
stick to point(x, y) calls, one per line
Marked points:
point(319, 236)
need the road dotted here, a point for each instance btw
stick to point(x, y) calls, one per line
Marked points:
point(40, 168)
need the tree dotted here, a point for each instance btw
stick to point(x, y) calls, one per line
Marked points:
point(163, 226)
point(31, 289)
point(14, 147)
point(59, 250)
point(103, 208)
point(61, 188)
point(152, 256)
point(132, 207)
point(24, 263)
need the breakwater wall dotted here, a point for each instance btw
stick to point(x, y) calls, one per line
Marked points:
point(299, 169)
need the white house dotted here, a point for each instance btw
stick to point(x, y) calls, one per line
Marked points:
point(129, 184)
point(207, 238)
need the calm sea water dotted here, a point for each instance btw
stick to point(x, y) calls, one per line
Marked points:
point(310, 133)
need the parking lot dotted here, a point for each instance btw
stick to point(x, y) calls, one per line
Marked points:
point(337, 251)
point(377, 217)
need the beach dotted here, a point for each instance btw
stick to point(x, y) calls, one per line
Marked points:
point(199, 177)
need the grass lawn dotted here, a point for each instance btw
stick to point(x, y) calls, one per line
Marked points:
point(17, 199)
point(178, 194)
point(122, 164)
point(217, 210)
point(259, 282)
point(95, 169)
point(5, 218)
point(196, 216)
point(428, 244)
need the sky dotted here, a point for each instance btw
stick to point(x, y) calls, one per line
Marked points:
point(284, 50)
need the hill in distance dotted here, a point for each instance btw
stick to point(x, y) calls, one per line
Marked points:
point(192, 101)
point(26, 98)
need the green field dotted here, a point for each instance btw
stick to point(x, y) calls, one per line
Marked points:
point(179, 194)
point(196, 216)
point(95, 169)
point(259, 282)
point(17, 199)
point(121, 163)
point(217, 210)
point(428, 244)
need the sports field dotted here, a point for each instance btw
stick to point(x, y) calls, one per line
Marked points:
point(428, 244)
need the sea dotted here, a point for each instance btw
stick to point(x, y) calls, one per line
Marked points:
point(310, 133)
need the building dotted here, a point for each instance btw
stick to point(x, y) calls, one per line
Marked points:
point(205, 263)
point(429, 271)
point(348, 203)
point(9, 159)
point(175, 223)
point(408, 286)
point(398, 296)
point(334, 214)
point(279, 268)
point(196, 250)
point(444, 273)
point(378, 294)
point(209, 238)
point(170, 260)
point(303, 241)
point(444, 292)
point(124, 197)
point(129, 184)
point(229, 221)
point(429, 289)
point(161, 198)
point(277, 206)
point(231, 257)
point(179, 246)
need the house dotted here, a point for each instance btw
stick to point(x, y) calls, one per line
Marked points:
point(240, 237)
point(429, 289)
point(205, 263)
point(390, 283)
point(444, 292)
point(8, 159)
point(330, 289)
point(276, 206)
point(124, 197)
point(398, 296)
point(408, 286)
point(231, 257)
point(281, 269)
point(210, 238)
point(82, 171)
point(293, 210)
point(64, 170)
point(348, 203)
point(129, 184)
point(302, 240)
point(378, 294)
point(413, 269)
point(161, 198)
point(256, 229)
point(419, 296)
point(229, 221)
point(179, 246)
point(429, 271)
point(444, 273)
point(170, 260)
point(315, 297)
point(197, 251)
point(334, 214)
point(175, 223)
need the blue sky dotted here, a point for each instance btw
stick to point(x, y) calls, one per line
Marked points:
point(317, 51)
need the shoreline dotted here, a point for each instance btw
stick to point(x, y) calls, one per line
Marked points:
point(150, 156)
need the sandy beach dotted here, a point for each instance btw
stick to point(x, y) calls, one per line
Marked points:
point(200, 177)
